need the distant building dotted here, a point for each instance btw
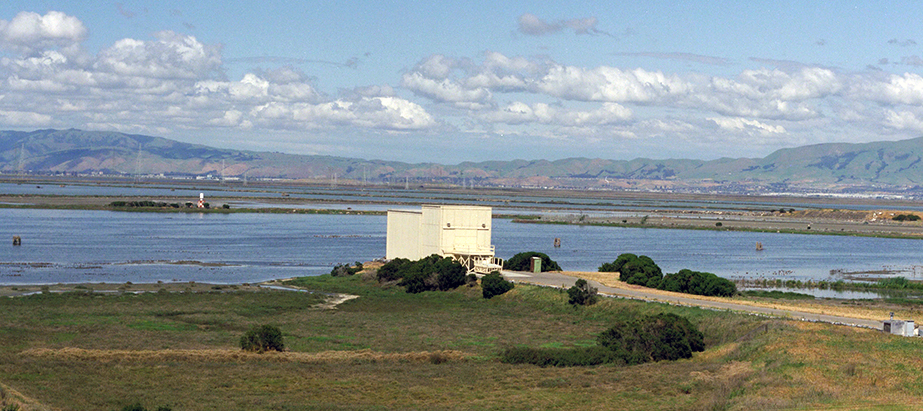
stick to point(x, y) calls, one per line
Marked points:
point(460, 232)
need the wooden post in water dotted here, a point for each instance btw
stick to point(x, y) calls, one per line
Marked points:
point(557, 242)
point(759, 246)
point(17, 240)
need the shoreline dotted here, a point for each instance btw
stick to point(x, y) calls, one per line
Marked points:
point(868, 223)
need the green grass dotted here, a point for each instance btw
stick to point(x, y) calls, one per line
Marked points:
point(740, 369)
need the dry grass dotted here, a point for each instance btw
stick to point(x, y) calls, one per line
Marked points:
point(218, 356)
point(12, 398)
point(871, 312)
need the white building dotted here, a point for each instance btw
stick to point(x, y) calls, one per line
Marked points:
point(461, 232)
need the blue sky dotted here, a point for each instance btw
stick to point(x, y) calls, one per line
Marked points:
point(468, 81)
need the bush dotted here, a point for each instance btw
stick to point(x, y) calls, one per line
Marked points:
point(653, 338)
point(558, 357)
point(139, 407)
point(523, 261)
point(906, 217)
point(650, 338)
point(582, 294)
point(429, 274)
point(633, 269)
point(343, 270)
point(471, 280)
point(493, 284)
point(699, 283)
point(393, 270)
point(261, 339)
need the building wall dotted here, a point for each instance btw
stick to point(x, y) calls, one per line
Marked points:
point(442, 230)
point(403, 235)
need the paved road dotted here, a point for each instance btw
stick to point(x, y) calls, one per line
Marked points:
point(560, 280)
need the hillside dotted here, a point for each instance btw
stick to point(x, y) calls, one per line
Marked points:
point(877, 166)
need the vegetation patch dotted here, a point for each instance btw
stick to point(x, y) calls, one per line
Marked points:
point(262, 339)
point(787, 295)
point(582, 293)
point(633, 269)
point(643, 271)
point(661, 337)
point(433, 273)
point(523, 262)
point(494, 284)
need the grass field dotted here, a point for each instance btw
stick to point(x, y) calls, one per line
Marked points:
point(388, 349)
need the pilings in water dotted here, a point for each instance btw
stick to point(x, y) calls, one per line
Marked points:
point(17, 240)
point(557, 242)
point(759, 246)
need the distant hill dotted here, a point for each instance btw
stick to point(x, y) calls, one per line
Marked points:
point(877, 166)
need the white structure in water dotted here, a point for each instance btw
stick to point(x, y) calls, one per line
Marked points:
point(460, 232)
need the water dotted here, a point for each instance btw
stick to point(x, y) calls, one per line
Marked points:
point(730, 254)
point(69, 246)
point(100, 246)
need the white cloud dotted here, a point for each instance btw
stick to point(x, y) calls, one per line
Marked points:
point(521, 113)
point(903, 120)
point(24, 119)
point(174, 83)
point(30, 32)
point(746, 125)
point(170, 56)
point(894, 89)
point(444, 90)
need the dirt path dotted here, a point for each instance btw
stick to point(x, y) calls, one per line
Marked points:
point(617, 288)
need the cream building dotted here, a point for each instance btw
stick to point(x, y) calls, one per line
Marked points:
point(460, 232)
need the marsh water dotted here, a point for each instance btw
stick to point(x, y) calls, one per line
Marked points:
point(71, 246)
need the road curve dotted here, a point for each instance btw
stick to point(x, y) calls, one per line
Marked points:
point(553, 279)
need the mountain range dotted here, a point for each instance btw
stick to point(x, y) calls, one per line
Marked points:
point(886, 166)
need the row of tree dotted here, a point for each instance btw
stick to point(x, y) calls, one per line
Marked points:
point(642, 270)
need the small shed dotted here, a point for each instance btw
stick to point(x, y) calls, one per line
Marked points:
point(457, 231)
point(899, 327)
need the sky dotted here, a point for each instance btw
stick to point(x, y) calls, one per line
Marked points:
point(446, 82)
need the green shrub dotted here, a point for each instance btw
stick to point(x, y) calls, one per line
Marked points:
point(906, 217)
point(653, 338)
point(343, 270)
point(393, 270)
point(493, 284)
point(699, 283)
point(582, 294)
point(428, 274)
point(558, 357)
point(523, 261)
point(471, 280)
point(139, 407)
point(633, 269)
point(650, 338)
point(261, 339)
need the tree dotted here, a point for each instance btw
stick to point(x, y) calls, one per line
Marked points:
point(428, 274)
point(653, 338)
point(699, 283)
point(633, 269)
point(582, 293)
point(523, 261)
point(493, 284)
point(261, 339)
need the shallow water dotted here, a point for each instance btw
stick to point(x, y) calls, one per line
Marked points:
point(71, 246)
